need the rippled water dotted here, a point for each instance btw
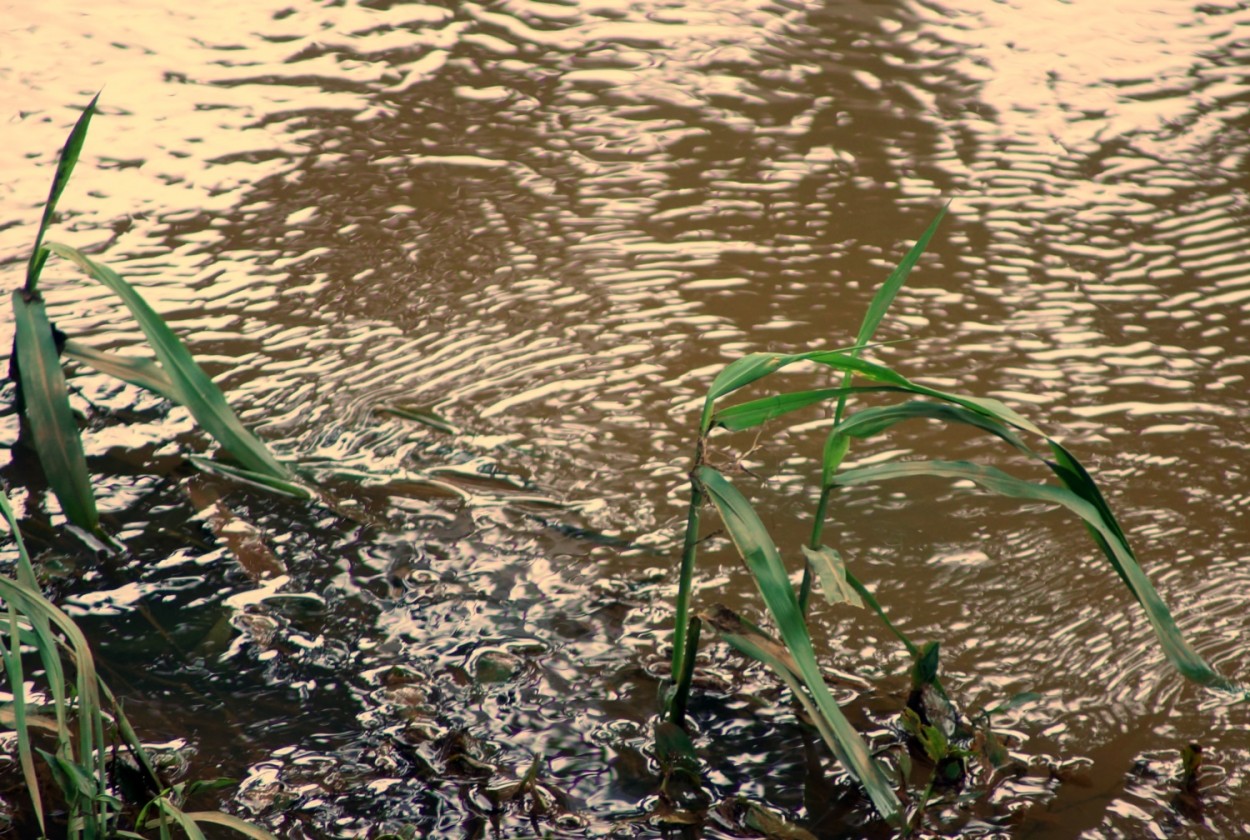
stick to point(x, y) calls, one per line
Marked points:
point(552, 222)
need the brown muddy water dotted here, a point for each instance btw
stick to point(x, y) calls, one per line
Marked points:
point(552, 222)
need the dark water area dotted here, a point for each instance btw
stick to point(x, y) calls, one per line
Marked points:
point(552, 224)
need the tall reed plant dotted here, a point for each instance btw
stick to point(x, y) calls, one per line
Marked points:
point(793, 658)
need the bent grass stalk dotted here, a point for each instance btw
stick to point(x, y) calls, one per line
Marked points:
point(1076, 491)
point(173, 374)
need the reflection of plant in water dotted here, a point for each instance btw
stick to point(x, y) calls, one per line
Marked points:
point(930, 719)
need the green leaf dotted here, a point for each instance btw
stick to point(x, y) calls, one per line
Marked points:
point(831, 571)
point(884, 296)
point(924, 670)
point(202, 396)
point(760, 554)
point(265, 482)
point(673, 747)
point(52, 425)
point(74, 780)
point(756, 412)
point(738, 374)
point(64, 168)
point(873, 421)
point(749, 640)
point(1015, 702)
point(1175, 648)
point(183, 820)
point(423, 416)
point(21, 721)
point(889, 289)
point(772, 826)
point(880, 373)
point(241, 826)
point(137, 370)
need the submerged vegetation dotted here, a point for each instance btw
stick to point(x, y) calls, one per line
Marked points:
point(74, 740)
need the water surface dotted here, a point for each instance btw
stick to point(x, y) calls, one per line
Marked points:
point(552, 223)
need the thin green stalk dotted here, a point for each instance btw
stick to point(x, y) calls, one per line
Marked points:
point(681, 696)
point(685, 586)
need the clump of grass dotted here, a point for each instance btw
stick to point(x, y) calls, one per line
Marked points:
point(81, 718)
point(793, 657)
point(171, 372)
point(72, 712)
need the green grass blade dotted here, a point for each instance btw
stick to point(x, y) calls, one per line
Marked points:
point(17, 681)
point(25, 569)
point(64, 168)
point(751, 368)
point(44, 642)
point(276, 485)
point(169, 810)
point(228, 821)
point(760, 554)
point(203, 398)
point(880, 373)
point(137, 370)
point(748, 415)
point(739, 374)
point(424, 416)
point(889, 289)
point(52, 425)
point(873, 421)
point(884, 297)
point(749, 640)
point(1078, 480)
point(1175, 648)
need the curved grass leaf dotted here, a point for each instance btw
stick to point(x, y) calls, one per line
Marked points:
point(21, 721)
point(228, 821)
point(64, 168)
point(885, 296)
point(42, 615)
point(137, 370)
point(1078, 480)
point(738, 374)
point(14, 670)
point(749, 640)
point(881, 373)
point(266, 482)
point(1175, 648)
point(872, 421)
point(747, 415)
point(750, 368)
point(53, 428)
point(424, 416)
point(169, 811)
point(202, 396)
point(760, 554)
point(831, 571)
point(887, 291)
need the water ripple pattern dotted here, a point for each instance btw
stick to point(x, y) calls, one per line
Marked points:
point(551, 223)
